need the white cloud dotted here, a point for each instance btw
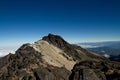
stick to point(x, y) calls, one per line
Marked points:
point(6, 50)
point(106, 55)
point(1, 54)
point(88, 46)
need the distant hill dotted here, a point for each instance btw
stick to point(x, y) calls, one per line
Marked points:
point(105, 50)
point(109, 49)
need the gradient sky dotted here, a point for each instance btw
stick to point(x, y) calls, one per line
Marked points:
point(24, 21)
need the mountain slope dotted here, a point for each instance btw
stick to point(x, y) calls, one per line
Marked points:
point(53, 55)
point(74, 51)
point(51, 58)
point(27, 64)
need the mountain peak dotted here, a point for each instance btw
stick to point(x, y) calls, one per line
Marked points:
point(49, 36)
point(55, 40)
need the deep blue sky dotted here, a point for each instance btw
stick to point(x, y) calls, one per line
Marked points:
point(76, 20)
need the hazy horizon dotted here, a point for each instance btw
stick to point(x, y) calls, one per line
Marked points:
point(4, 50)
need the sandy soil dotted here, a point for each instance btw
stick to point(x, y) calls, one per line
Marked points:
point(52, 56)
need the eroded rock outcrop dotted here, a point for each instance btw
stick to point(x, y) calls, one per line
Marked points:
point(95, 70)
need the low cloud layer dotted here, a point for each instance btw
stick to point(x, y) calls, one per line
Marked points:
point(6, 50)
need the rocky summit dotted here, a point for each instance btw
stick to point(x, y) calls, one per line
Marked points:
point(53, 58)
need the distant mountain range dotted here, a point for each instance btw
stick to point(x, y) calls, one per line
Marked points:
point(110, 49)
point(112, 44)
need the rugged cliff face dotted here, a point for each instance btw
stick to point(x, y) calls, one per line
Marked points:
point(52, 58)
